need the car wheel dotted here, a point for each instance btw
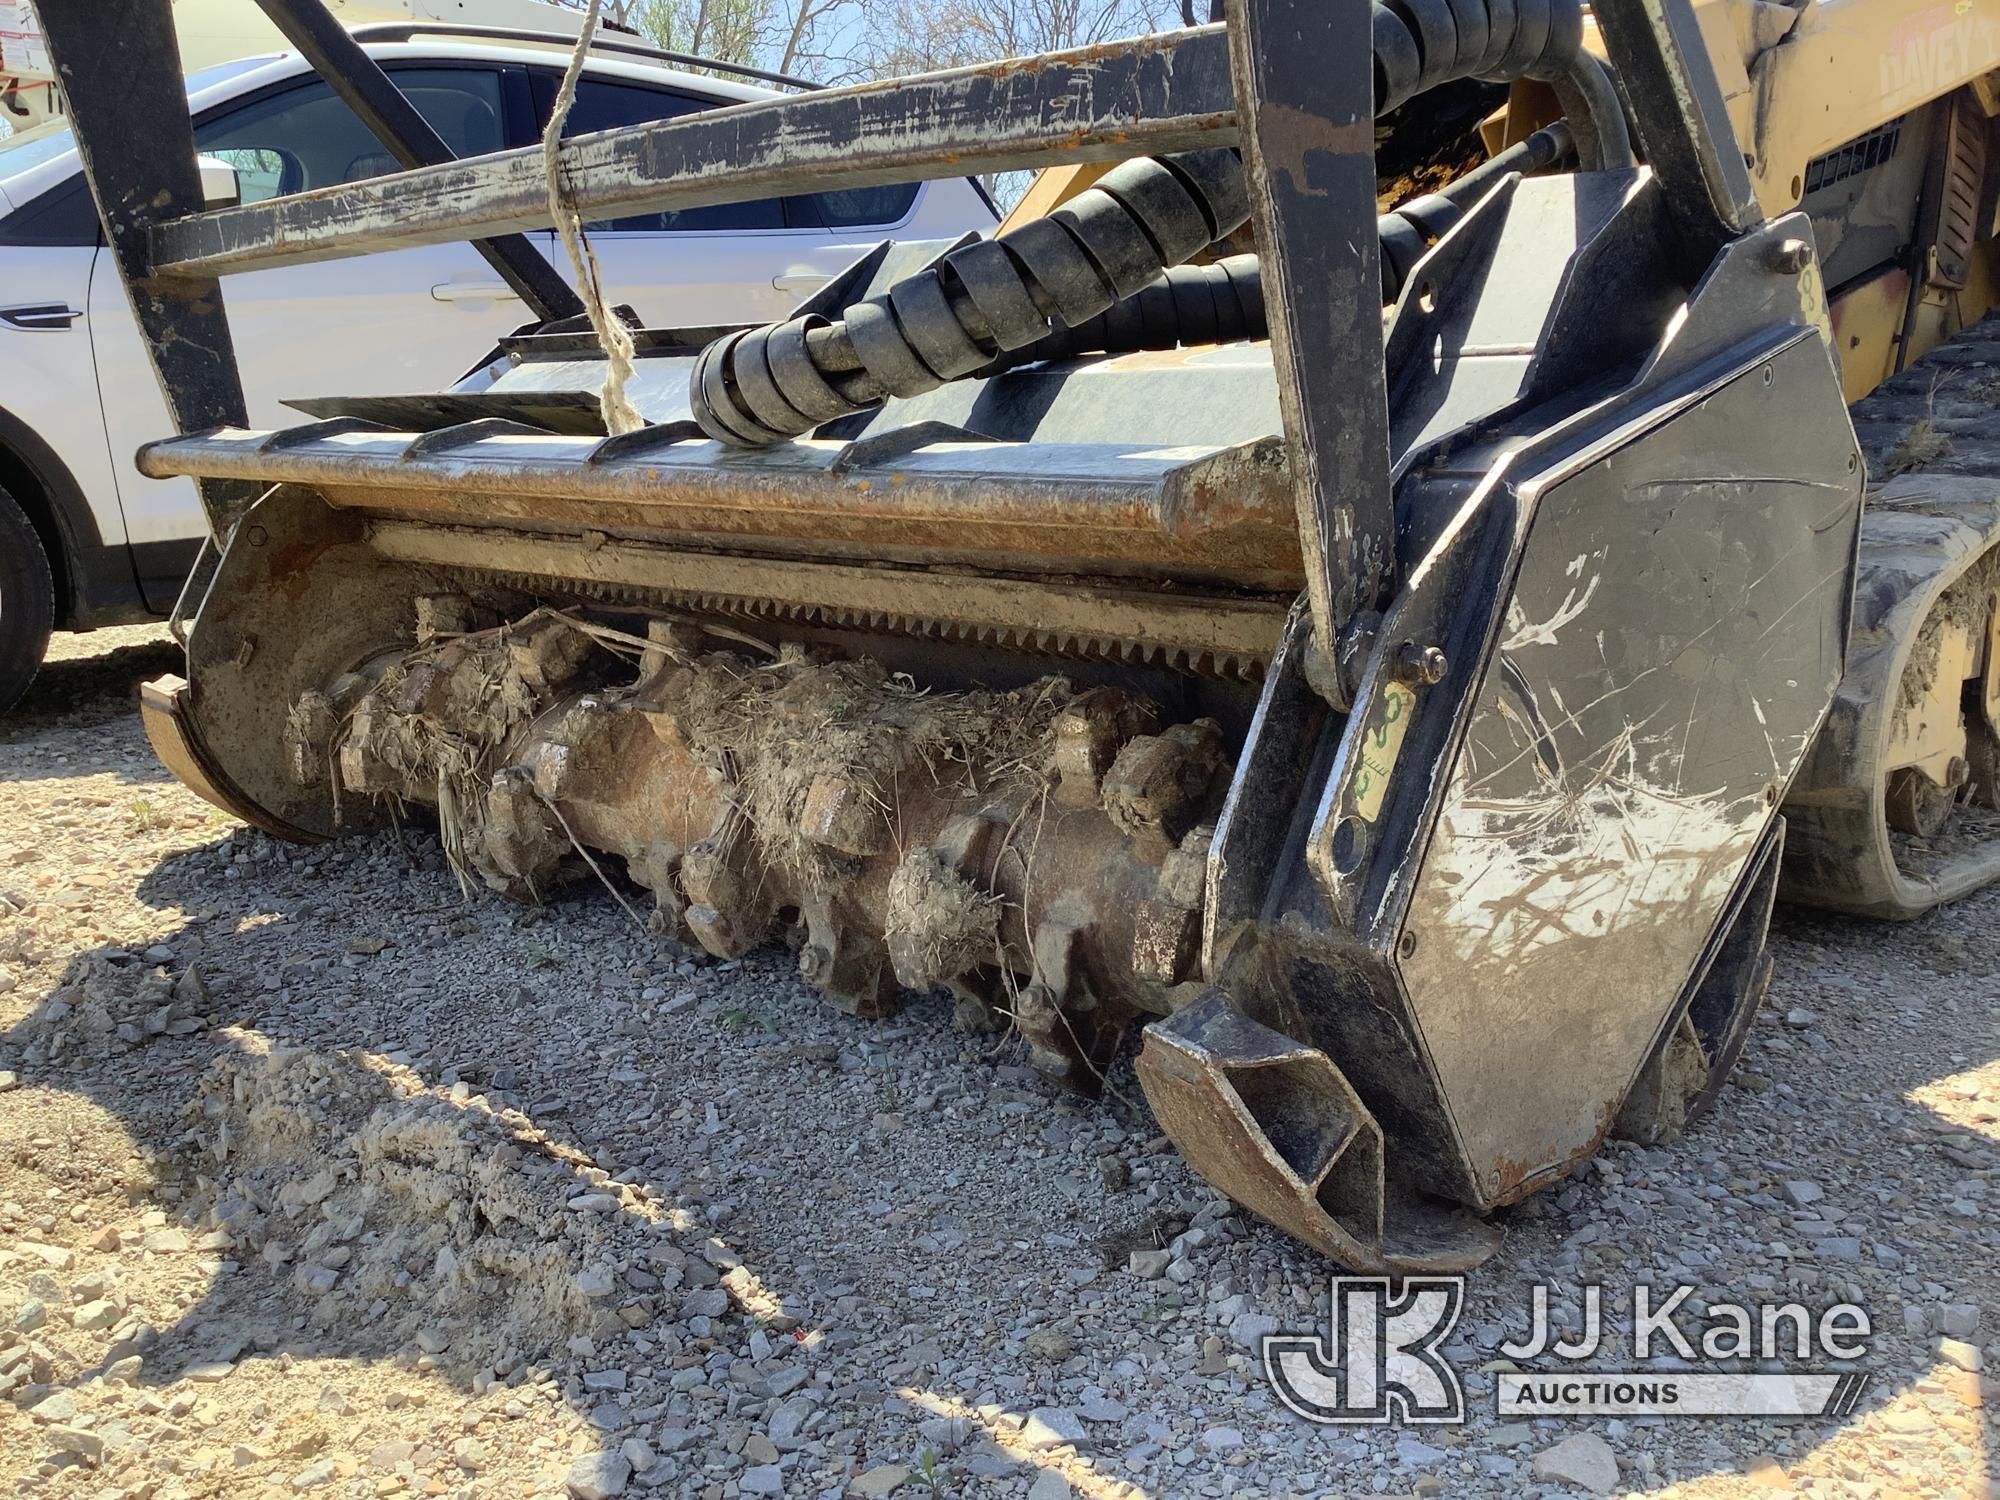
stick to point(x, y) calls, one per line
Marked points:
point(27, 601)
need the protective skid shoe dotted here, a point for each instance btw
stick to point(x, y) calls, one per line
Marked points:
point(1276, 1125)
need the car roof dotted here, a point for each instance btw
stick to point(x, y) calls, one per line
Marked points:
point(226, 81)
point(441, 48)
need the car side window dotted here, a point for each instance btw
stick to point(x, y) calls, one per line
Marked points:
point(307, 137)
point(853, 208)
point(605, 104)
point(65, 215)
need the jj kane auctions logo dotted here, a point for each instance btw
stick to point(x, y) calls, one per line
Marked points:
point(1382, 1357)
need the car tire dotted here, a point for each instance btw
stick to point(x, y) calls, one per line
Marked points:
point(27, 601)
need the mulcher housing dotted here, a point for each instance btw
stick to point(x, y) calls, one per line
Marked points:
point(1386, 717)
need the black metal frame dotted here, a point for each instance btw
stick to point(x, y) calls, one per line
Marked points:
point(1304, 77)
point(1682, 121)
point(1288, 79)
point(358, 80)
point(119, 62)
point(1159, 93)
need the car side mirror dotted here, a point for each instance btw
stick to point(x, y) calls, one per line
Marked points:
point(220, 187)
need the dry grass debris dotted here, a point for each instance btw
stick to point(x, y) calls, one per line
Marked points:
point(786, 724)
point(939, 924)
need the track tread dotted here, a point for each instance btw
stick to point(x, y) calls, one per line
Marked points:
point(1932, 445)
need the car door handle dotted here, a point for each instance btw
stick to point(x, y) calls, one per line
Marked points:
point(800, 282)
point(474, 291)
point(40, 317)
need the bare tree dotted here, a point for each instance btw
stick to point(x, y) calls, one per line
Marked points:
point(915, 36)
point(819, 39)
point(837, 41)
point(907, 36)
point(728, 30)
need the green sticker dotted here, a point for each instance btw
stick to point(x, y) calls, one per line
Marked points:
point(1381, 743)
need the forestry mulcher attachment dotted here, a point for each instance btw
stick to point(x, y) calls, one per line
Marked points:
point(1361, 656)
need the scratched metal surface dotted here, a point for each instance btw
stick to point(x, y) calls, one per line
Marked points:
point(1666, 657)
point(1169, 92)
point(1205, 513)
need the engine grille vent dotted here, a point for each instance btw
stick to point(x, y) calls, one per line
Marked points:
point(1859, 155)
point(1959, 178)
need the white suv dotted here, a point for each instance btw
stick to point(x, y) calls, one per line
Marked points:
point(85, 540)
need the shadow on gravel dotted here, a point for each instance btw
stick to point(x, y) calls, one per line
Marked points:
point(453, 1222)
point(343, 1208)
point(79, 692)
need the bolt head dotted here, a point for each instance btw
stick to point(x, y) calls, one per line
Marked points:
point(1791, 256)
point(1420, 664)
point(1035, 1004)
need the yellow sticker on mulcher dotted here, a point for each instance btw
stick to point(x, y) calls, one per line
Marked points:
point(1381, 743)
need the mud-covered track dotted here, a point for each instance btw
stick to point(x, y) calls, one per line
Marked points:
point(1932, 445)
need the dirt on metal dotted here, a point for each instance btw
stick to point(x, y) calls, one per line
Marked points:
point(793, 723)
point(1026, 848)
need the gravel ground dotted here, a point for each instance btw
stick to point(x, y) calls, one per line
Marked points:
point(317, 1178)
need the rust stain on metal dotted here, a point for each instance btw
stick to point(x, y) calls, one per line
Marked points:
point(1291, 138)
point(292, 565)
point(1228, 634)
point(1509, 1179)
point(1225, 517)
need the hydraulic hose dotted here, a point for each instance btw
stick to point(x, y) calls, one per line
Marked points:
point(1408, 231)
point(1218, 303)
point(1223, 301)
point(1420, 44)
point(1596, 115)
point(767, 384)
point(984, 302)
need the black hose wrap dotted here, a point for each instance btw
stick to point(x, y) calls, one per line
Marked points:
point(1420, 44)
point(1218, 303)
point(1102, 255)
point(1223, 301)
point(979, 301)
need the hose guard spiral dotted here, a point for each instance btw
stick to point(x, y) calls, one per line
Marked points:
point(1420, 44)
point(979, 302)
point(1045, 279)
point(1212, 304)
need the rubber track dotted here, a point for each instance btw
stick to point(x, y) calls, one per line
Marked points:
point(1932, 444)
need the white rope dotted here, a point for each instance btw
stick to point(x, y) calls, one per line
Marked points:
point(620, 415)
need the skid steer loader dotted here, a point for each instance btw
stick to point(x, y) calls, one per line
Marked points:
point(1392, 671)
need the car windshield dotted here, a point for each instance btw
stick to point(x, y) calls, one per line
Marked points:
point(50, 139)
